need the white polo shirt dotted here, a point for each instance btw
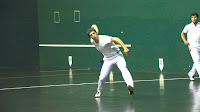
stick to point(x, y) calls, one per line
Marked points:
point(105, 46)
point(193, 34)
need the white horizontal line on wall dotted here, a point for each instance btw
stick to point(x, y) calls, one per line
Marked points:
point(73, 45)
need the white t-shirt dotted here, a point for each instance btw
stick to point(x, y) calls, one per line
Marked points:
point(105, 46)
point(193, 34)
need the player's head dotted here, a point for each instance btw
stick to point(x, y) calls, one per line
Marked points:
point(91, 32)
point(195, 14)
point(194, 17)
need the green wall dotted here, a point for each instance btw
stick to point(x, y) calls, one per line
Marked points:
point(19, 33)
point(152, 27)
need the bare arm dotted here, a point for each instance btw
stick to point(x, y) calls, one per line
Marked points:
point(184, 39)
point(95, 27)
point(119, 41)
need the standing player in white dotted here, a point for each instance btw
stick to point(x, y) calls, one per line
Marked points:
point(112, 56)
point(193, 42)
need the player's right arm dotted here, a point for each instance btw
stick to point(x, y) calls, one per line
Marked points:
point(95, 27)
point(184, 39)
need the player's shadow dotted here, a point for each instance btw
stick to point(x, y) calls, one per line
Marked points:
point(195, 90)
point(104, 105)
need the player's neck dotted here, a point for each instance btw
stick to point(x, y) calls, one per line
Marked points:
point(97, 39)
point(195, 23)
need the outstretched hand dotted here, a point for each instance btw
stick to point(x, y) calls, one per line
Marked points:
point(126, 51)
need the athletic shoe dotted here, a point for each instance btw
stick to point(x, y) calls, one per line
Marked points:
point(98, 94)
point(130, 88)
point(191, 78)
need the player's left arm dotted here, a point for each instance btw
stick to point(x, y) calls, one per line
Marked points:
point(119, 41)
point(96, 28)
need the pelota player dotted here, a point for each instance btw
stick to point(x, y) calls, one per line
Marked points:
point(193, 42)
point(112, 56)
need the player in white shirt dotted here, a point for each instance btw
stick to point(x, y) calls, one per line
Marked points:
point(193, 42)
point(112, 56)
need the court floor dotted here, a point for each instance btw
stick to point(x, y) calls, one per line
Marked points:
point(73, 90)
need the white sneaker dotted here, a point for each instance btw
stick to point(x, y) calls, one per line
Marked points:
point(98, 94)
point(191, 78)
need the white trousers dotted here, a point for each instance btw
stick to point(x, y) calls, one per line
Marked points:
point(118, 60)
point(195, 54)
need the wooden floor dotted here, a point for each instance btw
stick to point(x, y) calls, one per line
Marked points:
point(73, 90)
